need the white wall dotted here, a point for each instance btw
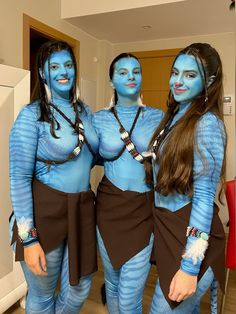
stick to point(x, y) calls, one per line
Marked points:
point(14, 93)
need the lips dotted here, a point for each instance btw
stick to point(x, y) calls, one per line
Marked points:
point(179, 91)
point(131, 84)
point(63, 81)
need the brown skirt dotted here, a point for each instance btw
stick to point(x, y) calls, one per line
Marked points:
point(63, 216)
point(124, 220)
point(170, 241)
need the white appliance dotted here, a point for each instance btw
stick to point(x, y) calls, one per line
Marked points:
point(14, 93)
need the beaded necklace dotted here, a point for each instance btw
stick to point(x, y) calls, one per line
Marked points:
point(126, 136)
point(79, 129)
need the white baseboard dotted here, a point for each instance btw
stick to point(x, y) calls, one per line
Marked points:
point(12, 287)
point(12, 297)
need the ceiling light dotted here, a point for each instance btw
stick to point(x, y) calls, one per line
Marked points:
point(146, 26)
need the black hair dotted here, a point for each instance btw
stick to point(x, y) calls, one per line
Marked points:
point(112, 68)
point(46, 112)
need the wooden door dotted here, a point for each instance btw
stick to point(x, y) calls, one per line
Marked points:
point(156, 66)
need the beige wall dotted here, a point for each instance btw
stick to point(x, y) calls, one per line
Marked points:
point(70, 8)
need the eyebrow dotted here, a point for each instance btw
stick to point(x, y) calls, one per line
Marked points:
point(136, 68)
point(174, 68)
point(55, 62)
point(191, 71)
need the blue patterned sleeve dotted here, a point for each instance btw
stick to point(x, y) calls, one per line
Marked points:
point(23, 147)
point(208, 158)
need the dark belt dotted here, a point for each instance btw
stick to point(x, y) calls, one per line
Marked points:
point(60, 216)
point(170, 241)
point(124, 220)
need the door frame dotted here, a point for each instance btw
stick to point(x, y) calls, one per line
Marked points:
point(48, 31)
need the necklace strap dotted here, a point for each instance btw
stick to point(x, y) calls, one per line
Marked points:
point(79, 129)
point(74, 126)
point(72, 155)
point(126, 138)
point(163, 134)
point(113, 110)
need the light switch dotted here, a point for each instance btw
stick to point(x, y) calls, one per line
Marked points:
point(227, 105)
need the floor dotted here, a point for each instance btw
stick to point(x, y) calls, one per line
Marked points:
point(93, 303)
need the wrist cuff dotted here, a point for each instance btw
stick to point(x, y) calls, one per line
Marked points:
point(28, 236)
point(29, 242)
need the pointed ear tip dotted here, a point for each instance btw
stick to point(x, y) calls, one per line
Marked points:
point(41, 73)
point(211, 80)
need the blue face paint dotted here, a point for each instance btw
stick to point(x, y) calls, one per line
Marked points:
point(62, 74)
point(127, 78)
point(186, 81)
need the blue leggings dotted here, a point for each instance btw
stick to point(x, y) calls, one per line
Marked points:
point(190, 305)
point(41, 290)
point(124, 287)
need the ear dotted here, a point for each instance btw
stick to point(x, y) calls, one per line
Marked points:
point(41, 74)
point(210, 80)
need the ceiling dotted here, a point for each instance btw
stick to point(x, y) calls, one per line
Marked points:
point(178, 19)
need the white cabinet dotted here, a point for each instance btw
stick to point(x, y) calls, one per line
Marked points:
point(14, 93)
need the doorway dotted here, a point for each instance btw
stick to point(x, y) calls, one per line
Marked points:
point(35, 34)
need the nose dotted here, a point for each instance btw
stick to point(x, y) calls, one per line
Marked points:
point(131, 76)
point(178, 83)
point(64, 72)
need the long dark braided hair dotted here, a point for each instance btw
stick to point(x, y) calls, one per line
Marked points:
point(46, 111)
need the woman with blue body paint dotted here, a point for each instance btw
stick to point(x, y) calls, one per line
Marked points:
point(124, 201)
point(52, 148)
point(188, 150)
